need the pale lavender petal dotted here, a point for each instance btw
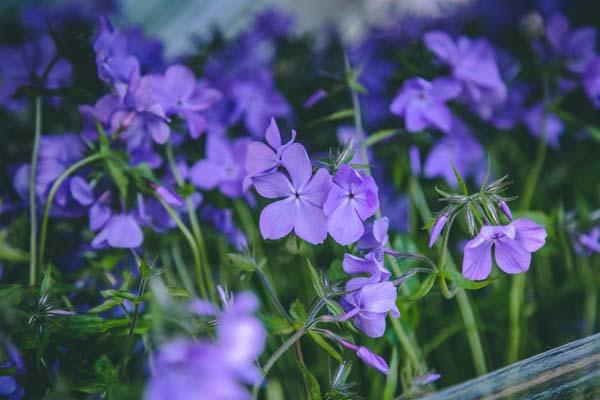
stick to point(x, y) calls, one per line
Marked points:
point(195, 123)
point(273, 185)
point(277, 219)
point(477, 261)
point(344, 224)
point(81, 191)
point(443, 89)
point(511, 257)
point(356, 265)
point(373, 360)
point(365, 200)
point(296, 162)
point(124, 232)
point(206, 174)
point(311, 223)
point(439, 114)
point(442, 45)
point(377, 298)
point(415, 118)
point(272, 135)
point(180, 81)
point(317, 189)
point(530, 235)
point(260, 157)
point(380, 229)
point(372, 324)
point(99, 215)
point(438, 226)
point(335, 198)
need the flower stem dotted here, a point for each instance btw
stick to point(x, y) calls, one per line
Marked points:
point(53, 190)
point(273, 295)
point(197, 231)
point(464, 305)
point(193, 245)
point(134, 319)
point(32, 183)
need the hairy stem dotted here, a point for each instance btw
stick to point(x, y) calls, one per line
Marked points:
point(32, 183)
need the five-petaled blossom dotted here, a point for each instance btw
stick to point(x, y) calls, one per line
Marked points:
point(423, 103)
point(352, 199)
point(301, 208)
point(512, 243)
point(369, 307)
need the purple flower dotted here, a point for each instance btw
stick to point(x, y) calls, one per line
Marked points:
point(57, 153)
point(223, 166)
point(367, 356)
point(304, 195)
point(120, 231)
point(10, 389)
point(505, 209)
point(589, 242)
point(512, 243)
point(537, 120)
point(141, 114)
point(369, 307)
point(423, 103)
point(101, 112)
point(114, 62)
point(265, 158)
point(591, 81)
point(26, 65)
point(438, 226)
point(376, 237)
point(426, 379)
point(509, 113)
point(576, 47)
point(351, 200)
point(370, 265)
point(472, 62)
point(458, 148)
point(179, 94)
point(186, 369)
point(314, 98)
point(414, 156)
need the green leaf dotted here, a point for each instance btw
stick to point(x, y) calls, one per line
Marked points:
point(357, 86)
point(345, 113)
point(277, 325)
point(108, 304)
point(463, 282)
point(298, 311)
point(242, 262)
point(46, 284)
point(10, 253)
point(314, 390)
point(316, 279)
point(461, 183)
point(120, 294)
point(118, 176)
point(320, 340)
point(392, 378)
point(106, 370)
point(423, 289)
point(186, 190)
point(380, 135)
point(336, 272)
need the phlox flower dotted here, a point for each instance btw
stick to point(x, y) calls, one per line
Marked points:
point(352, 199)
point(301, 208)
point(369, 306)
point(512, 244)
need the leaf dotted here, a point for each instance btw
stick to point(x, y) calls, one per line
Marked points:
point(380, 135)
point(463, 282)
point(318, 339)
point(345, 113)
point(392, 378)
point(277, 325)
point(118, 176)
point(317, 280)
point(242, 262)
point(46, 284)
point(424, 288)
point(336, 273)
point(298, 311)
point(108, 304)
point(461, 183)
point(120, 294)
point(314, 390)
point(10, 253)
point(186, 190)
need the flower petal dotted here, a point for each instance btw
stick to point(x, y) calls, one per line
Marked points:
point(373, 360)
point(124, 232)
point(296, 162)
point(311, 223)
point(511, 257)
point(530, 235)
point(277, 219)
point(477, 261)
point(344, 224)
point(372, 324)
point(378, 297)
point(272, 135)
point(316, 191)
point(206, 174)
point(273, 185)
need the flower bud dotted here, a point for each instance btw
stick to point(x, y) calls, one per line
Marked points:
point(505, 210)
point(438, 226)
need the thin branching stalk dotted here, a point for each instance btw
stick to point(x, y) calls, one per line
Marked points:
point(133, 324)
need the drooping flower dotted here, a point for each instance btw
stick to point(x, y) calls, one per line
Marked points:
point(200, 369)
point(375, 237)
point(438, 226)
point(458, 148)
point(351, 200)
point(370, 265)
point(369, 307)
point(472, 62)
point(367, 356)
point(538, 121)
point(423, 103)
point(178, 92)
point(223, 167)
point(264, 158)
point(303, 196)
point(512, 244)
point(26, 65)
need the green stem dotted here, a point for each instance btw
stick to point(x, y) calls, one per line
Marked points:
point(517, 286)
point(273, 295)
point(191, 241)
point(53, 190)
point(198, 237)
point(408, 341)
point(32, 184)
point(134, 319)
point(464, 305)
point(442, 262)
